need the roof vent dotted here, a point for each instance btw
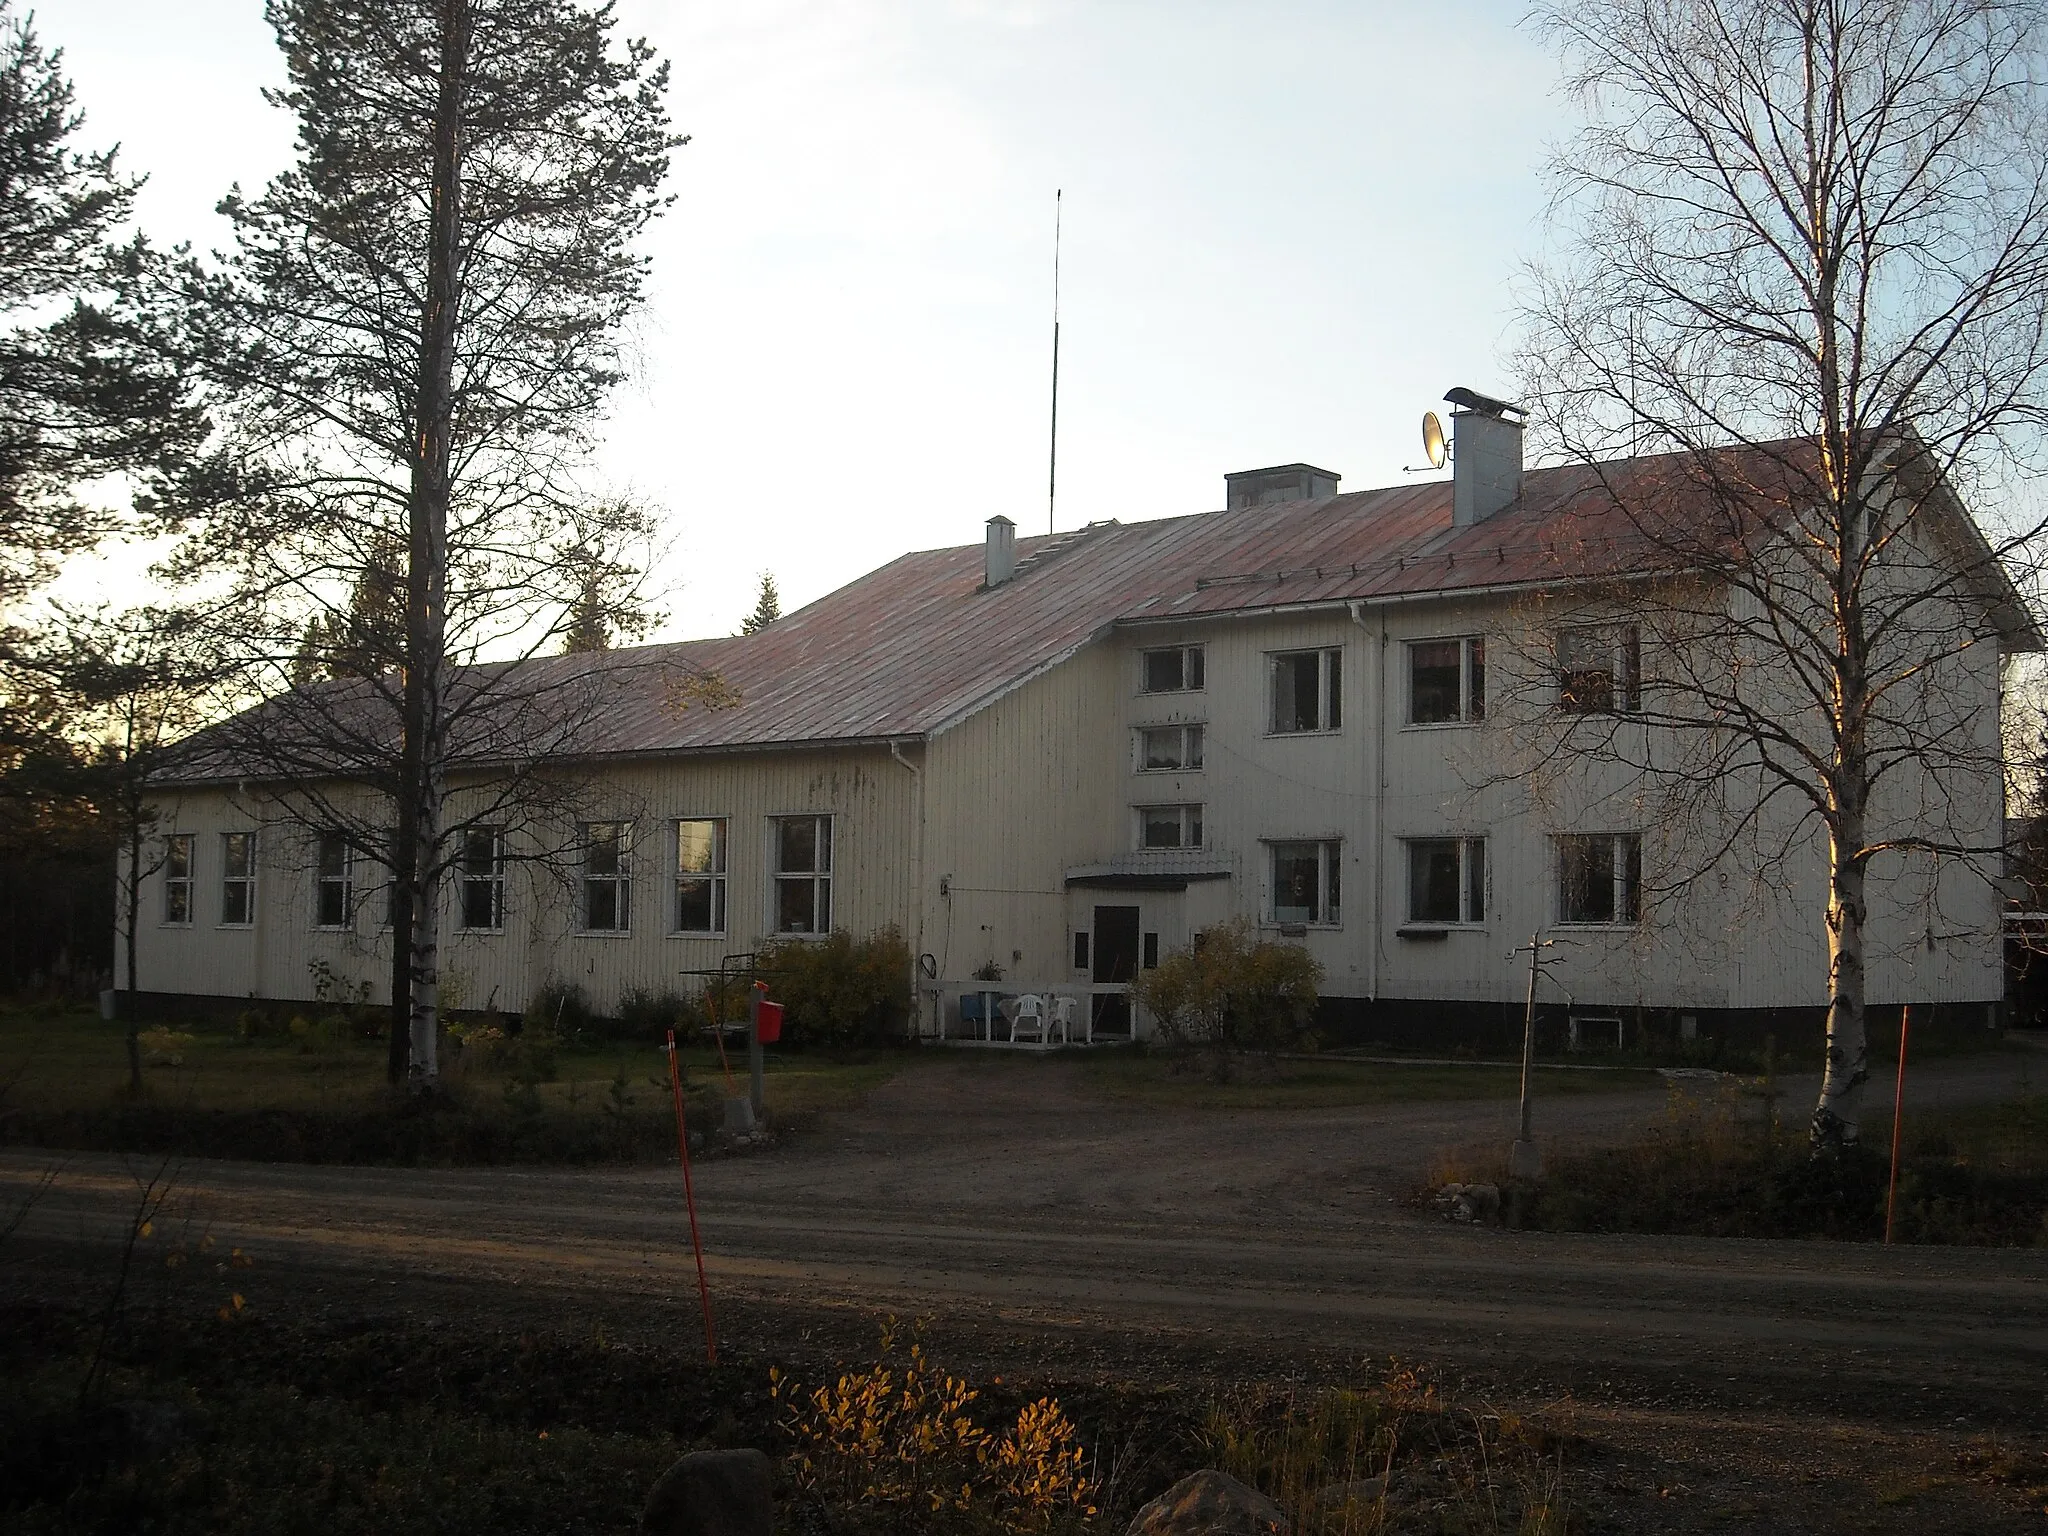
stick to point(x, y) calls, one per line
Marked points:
point(1486, 455)
point(999, 556)
point(1283, 482)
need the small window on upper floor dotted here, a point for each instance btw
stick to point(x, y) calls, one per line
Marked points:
point(1446, 681)
point(1169, 748)
point(1600, 669)
point(1175, 670)
point(1307, 691)
point(1169, 826)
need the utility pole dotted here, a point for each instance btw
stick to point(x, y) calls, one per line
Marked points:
point(1524, 1160)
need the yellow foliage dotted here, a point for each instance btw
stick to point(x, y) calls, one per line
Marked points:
point(902, 1433)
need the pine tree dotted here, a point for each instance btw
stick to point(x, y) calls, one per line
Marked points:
point(409, 346)
point(767, 607)
point(80, 395)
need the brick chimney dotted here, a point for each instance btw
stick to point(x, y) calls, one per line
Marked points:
point(1486, 456)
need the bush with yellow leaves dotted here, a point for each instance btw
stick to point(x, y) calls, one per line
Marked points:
point(898, 1438)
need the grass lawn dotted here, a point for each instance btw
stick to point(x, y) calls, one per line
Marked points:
point(320, 1094)
point(1174, 1081)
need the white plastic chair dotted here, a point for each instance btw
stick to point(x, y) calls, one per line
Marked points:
point(1064, 1011)
point(1029, 1020)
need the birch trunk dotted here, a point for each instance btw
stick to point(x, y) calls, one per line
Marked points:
point(1837, 1116)
point(427, 568)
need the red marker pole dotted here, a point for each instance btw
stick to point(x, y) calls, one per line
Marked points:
point(675, 1083)
point(1898, 1120)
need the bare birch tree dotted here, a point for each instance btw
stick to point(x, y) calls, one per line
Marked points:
point(408, 351)
point(1807, 256)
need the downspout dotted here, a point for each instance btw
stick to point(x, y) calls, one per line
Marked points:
point(1379, 786)
point(917, 877)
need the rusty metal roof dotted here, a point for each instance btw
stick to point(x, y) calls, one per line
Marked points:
point(918, 644)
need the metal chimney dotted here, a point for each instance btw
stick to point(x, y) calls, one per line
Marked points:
point(999, 556)
point(1486, 456)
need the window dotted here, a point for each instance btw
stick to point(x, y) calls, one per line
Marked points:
point(178, 880)
point(332, 897)
point(1169, 826)
point(1306, 691)
point(1168, 748)
point(1447, 880)
point(1446, 681)
point(700, 876)
point(1081, 950)
point(237, 879)
point(1149, 951)
point(803, 874)
point(389, 852)
point(1178, 670)
point(1599, 878)
point(1305, 883)
point(607, 876)
point(481, 878)
point(1599, 669)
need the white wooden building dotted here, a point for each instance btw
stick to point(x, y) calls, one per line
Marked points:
point(1060, 757)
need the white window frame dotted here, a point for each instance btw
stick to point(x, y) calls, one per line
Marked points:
point(179, 848)
point(1329, 882)
point(716, 876)
point(1329, 690)
point(1188, 824)
point(244, 883)
point(1473, 877)
point(820, 879)
point(619, 879)
point(1471, 681)
point(1188, 758)
point(466, 877)
point(1624, 646)
point(340, 881)
point(1626, 874)
point(1194, 662)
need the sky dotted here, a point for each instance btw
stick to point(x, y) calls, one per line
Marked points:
point(1286, 230)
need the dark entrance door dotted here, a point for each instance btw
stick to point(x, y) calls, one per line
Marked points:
point(1116, 960)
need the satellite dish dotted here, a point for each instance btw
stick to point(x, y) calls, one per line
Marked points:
point(1433, 440)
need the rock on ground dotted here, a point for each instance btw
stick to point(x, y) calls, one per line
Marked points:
point(1209, 1503)
point(712, 1493)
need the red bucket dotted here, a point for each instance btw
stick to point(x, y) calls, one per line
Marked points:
point(769, 1020)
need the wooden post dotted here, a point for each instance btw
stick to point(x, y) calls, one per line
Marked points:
point(1524, 1162)
point(754, 1049)
point(675, 1083)
point(1891, 1193)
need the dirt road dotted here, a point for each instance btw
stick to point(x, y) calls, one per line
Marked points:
point(997, 1189)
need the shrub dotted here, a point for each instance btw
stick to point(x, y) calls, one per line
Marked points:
point(839, 990)
point(559, 1008)
point(647, 1015)
point(1230, 991)
point(899, 1440)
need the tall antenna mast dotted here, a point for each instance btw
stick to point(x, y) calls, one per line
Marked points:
point(1052, 472)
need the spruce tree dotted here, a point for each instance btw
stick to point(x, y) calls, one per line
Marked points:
point(767, 607)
